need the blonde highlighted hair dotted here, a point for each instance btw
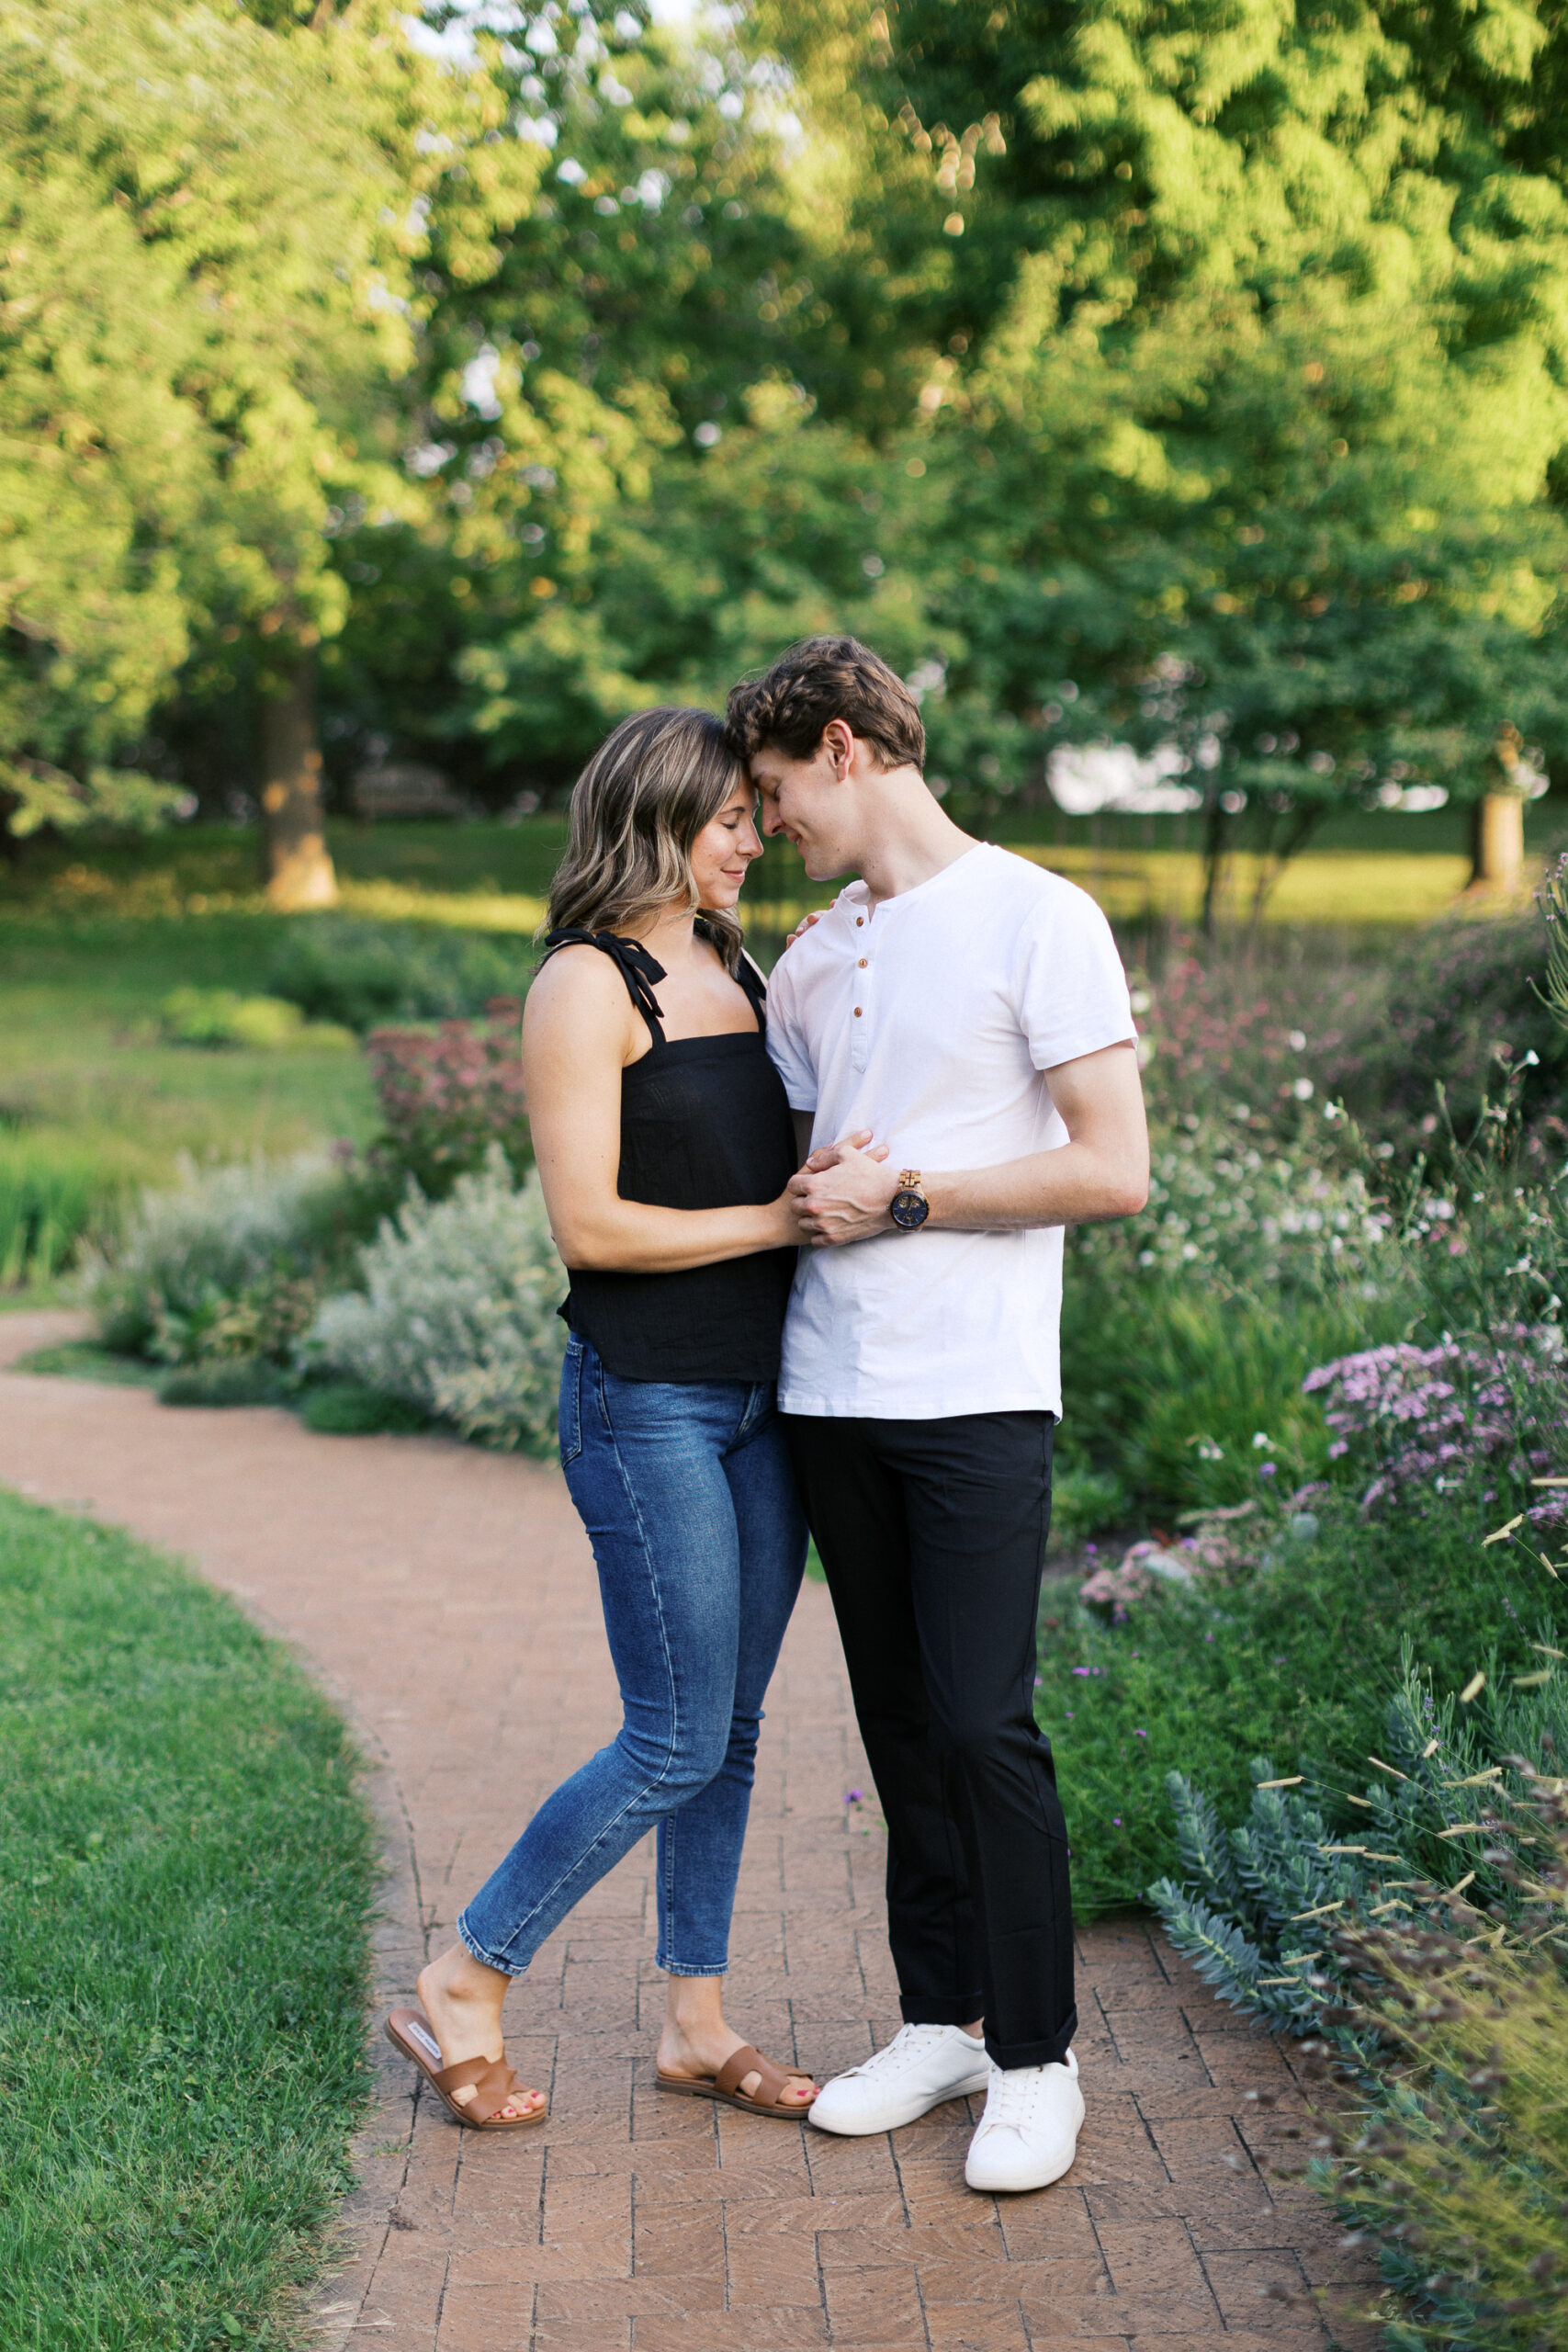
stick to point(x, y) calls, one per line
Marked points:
point(656, 780)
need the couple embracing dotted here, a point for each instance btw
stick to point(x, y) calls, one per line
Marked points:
point(813, 1236)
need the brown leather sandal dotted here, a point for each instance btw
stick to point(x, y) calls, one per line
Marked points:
point(494, 2082)
point(725, 2086)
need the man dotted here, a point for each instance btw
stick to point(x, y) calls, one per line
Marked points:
point(969, 1009)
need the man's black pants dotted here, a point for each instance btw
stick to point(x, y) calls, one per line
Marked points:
point(933, 1537)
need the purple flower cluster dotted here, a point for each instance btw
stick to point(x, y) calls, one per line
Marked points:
point(1425, 1420)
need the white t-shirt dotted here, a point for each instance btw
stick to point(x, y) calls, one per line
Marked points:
point(931, 1020)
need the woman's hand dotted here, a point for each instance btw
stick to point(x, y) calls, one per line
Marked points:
point(784, 1215)
point(804, 924)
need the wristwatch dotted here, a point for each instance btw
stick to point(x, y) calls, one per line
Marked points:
point(909, 1207)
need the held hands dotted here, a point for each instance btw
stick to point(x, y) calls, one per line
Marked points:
point(843, 1191)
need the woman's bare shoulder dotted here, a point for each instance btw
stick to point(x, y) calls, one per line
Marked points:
point(577, 962)
point(578, 989)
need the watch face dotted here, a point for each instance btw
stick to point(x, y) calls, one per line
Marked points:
point(908, 1209)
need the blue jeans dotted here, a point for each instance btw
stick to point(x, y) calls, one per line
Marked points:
point(688, 1495)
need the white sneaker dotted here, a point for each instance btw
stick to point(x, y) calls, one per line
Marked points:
point(1029, 2133)
point(921, 2067)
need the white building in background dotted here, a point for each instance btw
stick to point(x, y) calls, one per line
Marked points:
point(1095, 779)
point(1088, 778)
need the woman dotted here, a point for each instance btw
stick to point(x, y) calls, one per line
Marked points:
point(664, 1146)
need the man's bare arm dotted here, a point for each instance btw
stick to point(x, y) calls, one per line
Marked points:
point(1101, 1172)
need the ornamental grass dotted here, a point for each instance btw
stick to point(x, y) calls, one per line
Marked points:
point(1452, 2156)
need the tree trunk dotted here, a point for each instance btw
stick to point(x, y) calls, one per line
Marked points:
point(1497, 820)
point(1214, 848)
point(299, 870)
point(1498, 844)
point(1280, 845)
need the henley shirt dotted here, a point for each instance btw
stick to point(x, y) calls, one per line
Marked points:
point(932, 1020)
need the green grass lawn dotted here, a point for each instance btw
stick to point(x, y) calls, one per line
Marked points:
point(94, 1103)
point(85, 1360)
point(186, 1871)
point(79, 1050)
point(491, 875)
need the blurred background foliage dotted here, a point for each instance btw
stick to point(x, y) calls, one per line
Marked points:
point(1145, 374)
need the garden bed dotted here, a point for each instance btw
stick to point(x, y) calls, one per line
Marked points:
point(1296, 1662)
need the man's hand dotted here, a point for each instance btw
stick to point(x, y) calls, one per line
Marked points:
point(842, 1193)
point(828, 1155)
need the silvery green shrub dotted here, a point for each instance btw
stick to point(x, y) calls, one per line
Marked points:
point(221, 1246)
point(458, 1311)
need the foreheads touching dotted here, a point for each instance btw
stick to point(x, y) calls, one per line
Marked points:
point(814, 703)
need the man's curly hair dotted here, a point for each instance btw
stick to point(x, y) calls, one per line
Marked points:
point(821, 679)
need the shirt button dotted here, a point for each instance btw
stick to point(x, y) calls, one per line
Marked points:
point(862, 963)
point(857, 1012)
point(858, 919)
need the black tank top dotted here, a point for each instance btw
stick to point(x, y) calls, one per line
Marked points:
point(705, 1124)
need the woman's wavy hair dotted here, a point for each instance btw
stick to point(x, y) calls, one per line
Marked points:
point(655, 781)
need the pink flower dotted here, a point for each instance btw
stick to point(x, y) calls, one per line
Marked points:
point(1421, 1416)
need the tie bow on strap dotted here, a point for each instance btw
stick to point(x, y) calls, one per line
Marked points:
point(641, 971)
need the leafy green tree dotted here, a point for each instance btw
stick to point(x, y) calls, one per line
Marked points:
point(776, 532)
point(212, 228)
point(1242, 344)
point(571, 393)
point(1296, 591)
point(1126, 373)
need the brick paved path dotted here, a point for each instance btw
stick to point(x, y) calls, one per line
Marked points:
point(447, 1598)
